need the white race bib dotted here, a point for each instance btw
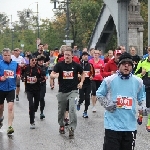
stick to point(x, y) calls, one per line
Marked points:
point(67, 74)
point(124, 102)
point(31, 80)
point(9, 74)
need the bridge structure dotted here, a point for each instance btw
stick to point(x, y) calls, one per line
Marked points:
point(122, 16)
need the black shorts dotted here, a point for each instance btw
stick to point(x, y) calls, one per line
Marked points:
point(9, 95)
point(119, 140)
point(95, 84)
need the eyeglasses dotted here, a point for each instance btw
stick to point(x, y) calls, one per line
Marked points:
point(34, 59)
point(127, 62)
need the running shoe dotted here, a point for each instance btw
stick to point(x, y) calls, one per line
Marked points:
point(148, 128)
point(17, 98)
point(42, 116)
point(10, 130)
point(93, 109)
point(66, 120)
point(1, 122)
point(71, 133)
point(62, 130)
point(32, 126)
point(85, 115)
point(78, 106)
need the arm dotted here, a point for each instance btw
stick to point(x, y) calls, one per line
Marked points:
point(18, 71)
point(141, 96)
point(106, 72)
point(138, 70)
point(80, 70)
point(101, 93)
point(106, 102)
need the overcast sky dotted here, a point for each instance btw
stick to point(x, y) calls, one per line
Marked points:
point(10, 7)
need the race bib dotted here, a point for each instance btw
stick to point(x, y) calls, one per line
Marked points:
point(67, 74)
point(97, 71)
point(31, 80)
point(87, 73)
point(9, 74)
point(124, 102)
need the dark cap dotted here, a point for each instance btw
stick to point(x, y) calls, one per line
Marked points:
point(85, 53)
point(125, 57)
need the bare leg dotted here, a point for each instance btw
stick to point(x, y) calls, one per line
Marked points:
point(17, 90)
point(10, 113)
point(93, 100)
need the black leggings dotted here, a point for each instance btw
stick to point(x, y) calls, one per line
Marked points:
point(42, 96)
point(84, 94)
point(33, 104)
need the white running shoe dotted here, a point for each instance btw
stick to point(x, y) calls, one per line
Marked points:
point(93, 109)
point(32, 126)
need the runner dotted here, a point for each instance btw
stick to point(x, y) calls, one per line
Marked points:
point(68, 83)
point(118, 94)
point(21, 61)
point(32, 77)
point(98, 65)
point(84, 93)
point(40, 60)
point(9, 71)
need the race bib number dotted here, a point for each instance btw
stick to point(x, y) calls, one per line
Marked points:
point(9, 74)
point(67, 74)
point(124, 102)
point(31, 80)
point(87, 73)
point(97, 71)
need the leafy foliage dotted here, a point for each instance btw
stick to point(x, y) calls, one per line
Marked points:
point(82, 17)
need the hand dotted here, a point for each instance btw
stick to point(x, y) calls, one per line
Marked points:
point(79, 76)
point(112, 72)
point(134, 63)
point(3, 78)
point(80, 85)
point(18, 76)
point(143, 72)
point(46, 77)
point(91, 77)
point(21, 65)
point(111, 107)
point(53, 76)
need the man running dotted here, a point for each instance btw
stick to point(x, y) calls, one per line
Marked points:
point(68, 84)
point(118, 94)
point(9, 71)
point(21, 62)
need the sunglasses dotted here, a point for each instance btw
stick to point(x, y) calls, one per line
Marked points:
point(33, 59)
point(129, 63)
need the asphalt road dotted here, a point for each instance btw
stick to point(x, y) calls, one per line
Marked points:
point(88, 135)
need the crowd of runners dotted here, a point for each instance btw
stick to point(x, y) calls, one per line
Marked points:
point(119, 80)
